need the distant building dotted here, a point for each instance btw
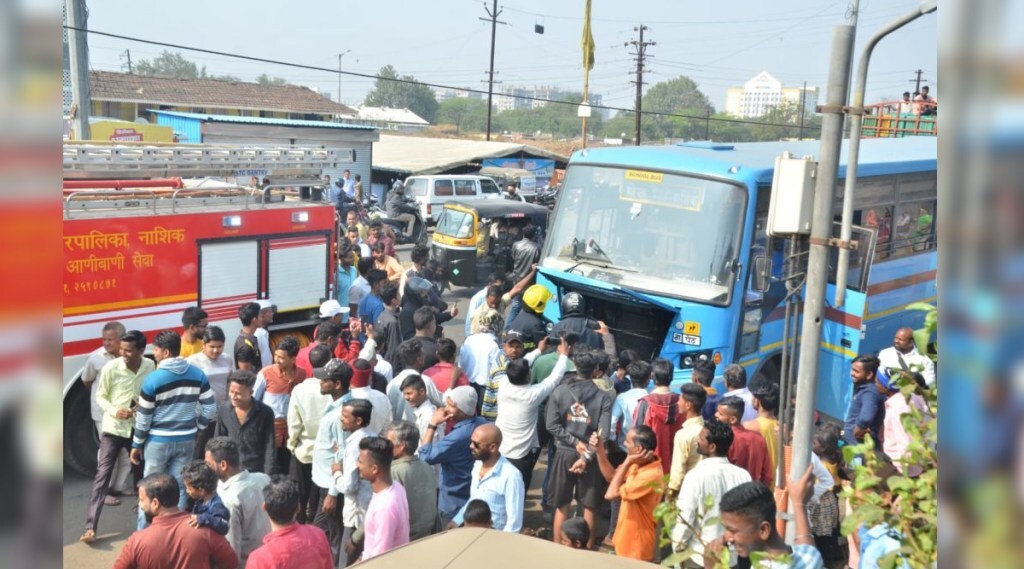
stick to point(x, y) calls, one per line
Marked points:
point(537, 97)
point(386, 118)
point(442, 94)
point(131, 96)
point(763, 92)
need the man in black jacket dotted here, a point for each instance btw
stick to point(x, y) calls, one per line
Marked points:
point(525, 254)
point(574, 320)
point(399, 209)
point(576, 409)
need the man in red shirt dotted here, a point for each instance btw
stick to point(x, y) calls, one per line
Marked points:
point(170, 542)
point(290, 544)
point(749, 450)
point(445, 370)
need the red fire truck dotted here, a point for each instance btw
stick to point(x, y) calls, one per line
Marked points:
point(141, 245)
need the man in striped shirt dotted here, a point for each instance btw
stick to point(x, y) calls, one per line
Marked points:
point(166, 422)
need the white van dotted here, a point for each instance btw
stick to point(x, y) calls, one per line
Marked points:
point(432, 192)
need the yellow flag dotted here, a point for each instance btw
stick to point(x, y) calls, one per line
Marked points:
point(588, 40)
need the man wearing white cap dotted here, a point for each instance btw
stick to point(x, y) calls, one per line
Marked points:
point(266, 317)
point(452, 452)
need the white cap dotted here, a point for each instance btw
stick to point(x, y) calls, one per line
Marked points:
point(265, 303)
point(332, 308)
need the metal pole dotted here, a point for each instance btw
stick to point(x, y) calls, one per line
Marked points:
point(490, 74)
point(803, 109)
point(78, 58)
point(639, 82)
point(821, 230)
point(857, 110)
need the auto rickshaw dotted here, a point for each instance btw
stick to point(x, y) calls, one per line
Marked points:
point(473, 239)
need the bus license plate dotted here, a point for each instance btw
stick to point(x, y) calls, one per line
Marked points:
point(691, 340)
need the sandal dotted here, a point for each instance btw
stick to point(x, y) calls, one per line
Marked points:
point(88, 537)
point(111, 501)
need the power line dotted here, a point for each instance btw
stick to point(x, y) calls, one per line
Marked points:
point(394, 79)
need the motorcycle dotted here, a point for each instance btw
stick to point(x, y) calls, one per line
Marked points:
point(371, 210)
point(547, 197)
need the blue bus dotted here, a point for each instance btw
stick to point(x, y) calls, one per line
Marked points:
point(663, 242)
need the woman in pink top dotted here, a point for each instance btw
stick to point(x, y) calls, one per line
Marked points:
point(895, 439)
point(386, 524)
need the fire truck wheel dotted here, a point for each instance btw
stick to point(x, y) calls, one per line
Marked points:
point(80, 440)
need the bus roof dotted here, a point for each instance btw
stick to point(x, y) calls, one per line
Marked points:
point(878, 156)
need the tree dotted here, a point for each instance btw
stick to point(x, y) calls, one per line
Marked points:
point(679, 96)
point(169, 64)
point(559, 119)
point(402, 94)
point(265, 79)
point(463, 113)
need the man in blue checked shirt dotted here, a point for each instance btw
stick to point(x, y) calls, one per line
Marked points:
point(329, 448)
point(495, 480)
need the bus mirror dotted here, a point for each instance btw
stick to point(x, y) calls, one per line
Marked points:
point(762, 273)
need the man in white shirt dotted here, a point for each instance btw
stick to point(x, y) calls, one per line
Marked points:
point(736, 381)
point(305, 409)
point(479, 350)
point(495, 481)
point(713, 476)
point(242, 494)
point(518, 404)
point(266, 317)
point(903, 356)
point(101, 356)
point(410, 353)
point(382, 416)
point(355, 420)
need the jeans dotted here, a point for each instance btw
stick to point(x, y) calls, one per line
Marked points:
point(121, 479)
point(332, 523)
point(169, 458)
point(356, 554)
point(302, 473)
point(547, 474)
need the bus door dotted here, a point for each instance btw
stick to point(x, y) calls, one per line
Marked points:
point(843, 326)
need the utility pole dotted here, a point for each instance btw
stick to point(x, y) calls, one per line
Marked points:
point(821, 243)
point(492, 17)
point(803, 110)
point(78, 58)
point(128, 55)
point(640, 53)
point(917, 82)
point(340, 55)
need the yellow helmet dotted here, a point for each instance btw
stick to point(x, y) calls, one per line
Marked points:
point(536, 297)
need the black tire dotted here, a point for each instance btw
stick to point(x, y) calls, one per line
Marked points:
point(80, 440)
point(770, 371)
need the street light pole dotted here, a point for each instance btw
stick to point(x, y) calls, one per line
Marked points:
point(857, 110)
point(340, 55)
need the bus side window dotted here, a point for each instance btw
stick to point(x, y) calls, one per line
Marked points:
point(880, 219)
point(914, 228)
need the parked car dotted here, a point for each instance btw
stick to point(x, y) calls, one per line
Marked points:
point(432, 192)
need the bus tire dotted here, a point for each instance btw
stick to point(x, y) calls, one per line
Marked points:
point(80, 439)
point(769, 371)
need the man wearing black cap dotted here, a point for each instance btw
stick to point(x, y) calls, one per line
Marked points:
point(512, 349)
point(335, 378)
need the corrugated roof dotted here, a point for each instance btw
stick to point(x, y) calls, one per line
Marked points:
point(388, 114)
point(420, 155)
point(262, 120)
point(154, 90)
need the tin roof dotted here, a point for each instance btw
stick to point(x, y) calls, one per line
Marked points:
point(215, 93)
point(262, 120)
point(422, 155)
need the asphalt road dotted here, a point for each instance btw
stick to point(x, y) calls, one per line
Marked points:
point(117, 522)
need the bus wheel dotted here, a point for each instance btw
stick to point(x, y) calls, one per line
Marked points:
point(770, 371)
point(80, 439)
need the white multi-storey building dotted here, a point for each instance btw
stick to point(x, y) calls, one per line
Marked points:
point(763, 92)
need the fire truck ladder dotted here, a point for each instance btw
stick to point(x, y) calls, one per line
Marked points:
point(100, 161)
point(200, 165)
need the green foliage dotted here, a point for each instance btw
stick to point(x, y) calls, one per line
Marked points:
point(169, 64)
point(463, 113)
point(265, 79)
point(910, 508)
point(679, 96)
point(415, 97)
point(923, 335)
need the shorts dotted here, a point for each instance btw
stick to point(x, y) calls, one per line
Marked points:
point(587, 488)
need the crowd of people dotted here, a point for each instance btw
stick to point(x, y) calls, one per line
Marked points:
point(382, 431)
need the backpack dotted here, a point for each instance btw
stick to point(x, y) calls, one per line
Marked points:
point(660, 412)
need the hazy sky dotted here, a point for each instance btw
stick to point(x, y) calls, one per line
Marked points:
point(718, 44)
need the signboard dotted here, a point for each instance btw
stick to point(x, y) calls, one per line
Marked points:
point(124, 131)
point(543, 169)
